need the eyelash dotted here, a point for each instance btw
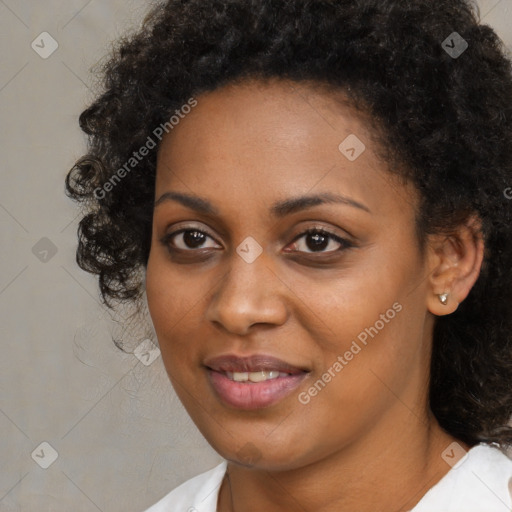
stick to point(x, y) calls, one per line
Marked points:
point(345, 244)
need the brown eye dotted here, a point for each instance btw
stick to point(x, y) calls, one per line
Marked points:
point(317, 240)
point(187, 239)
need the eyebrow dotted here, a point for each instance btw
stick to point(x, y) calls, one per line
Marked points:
point(278, 209)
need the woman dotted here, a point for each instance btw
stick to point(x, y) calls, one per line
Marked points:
point(316, 195)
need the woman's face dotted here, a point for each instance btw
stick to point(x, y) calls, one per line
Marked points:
point(330, 328)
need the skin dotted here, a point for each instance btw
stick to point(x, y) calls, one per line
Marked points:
point(367, 441)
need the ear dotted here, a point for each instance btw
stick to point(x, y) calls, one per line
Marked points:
point(454, 261)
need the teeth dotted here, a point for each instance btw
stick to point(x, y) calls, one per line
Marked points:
point(255, 376)
point(261, 376)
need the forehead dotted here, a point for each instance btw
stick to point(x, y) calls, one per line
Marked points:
point(267, 140)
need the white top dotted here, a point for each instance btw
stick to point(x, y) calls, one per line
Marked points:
point(481, 481)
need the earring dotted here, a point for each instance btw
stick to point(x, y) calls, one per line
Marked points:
point(443, 298)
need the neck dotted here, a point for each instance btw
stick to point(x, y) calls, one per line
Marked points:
point(389, 473)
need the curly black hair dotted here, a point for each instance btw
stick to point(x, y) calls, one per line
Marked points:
point(444, 122)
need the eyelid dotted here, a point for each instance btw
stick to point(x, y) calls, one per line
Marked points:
point(190, 227)
point(322, 229)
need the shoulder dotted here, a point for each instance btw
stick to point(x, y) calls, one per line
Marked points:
point(480, 482)
point(199, 494)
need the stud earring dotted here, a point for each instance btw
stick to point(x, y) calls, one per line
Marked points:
point(443, 298)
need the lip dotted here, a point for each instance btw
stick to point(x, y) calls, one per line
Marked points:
point(254, 363)
point(252, 395)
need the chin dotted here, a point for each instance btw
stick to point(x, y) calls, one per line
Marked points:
point(258, 453)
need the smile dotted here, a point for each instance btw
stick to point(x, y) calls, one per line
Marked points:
point(249, 394)
point(252, 382)
point(255, 376)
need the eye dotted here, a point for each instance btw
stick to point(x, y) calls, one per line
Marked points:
point(317, 240)
point(314, 240)
point(187, 239)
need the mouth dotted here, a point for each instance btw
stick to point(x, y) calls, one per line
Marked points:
point(252, 382)
point(260, 376)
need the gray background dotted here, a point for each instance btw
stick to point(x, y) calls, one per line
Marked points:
point(123, 439)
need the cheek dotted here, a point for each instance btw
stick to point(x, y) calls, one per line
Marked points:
point(158, 296)
point(357, 383)
point(362, 380)
point(171, 294)
point(339, 308)
point(170, 302)
point(176, 304)
point(374, 349)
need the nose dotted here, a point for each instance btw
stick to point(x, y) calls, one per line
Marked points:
point(249, 294)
